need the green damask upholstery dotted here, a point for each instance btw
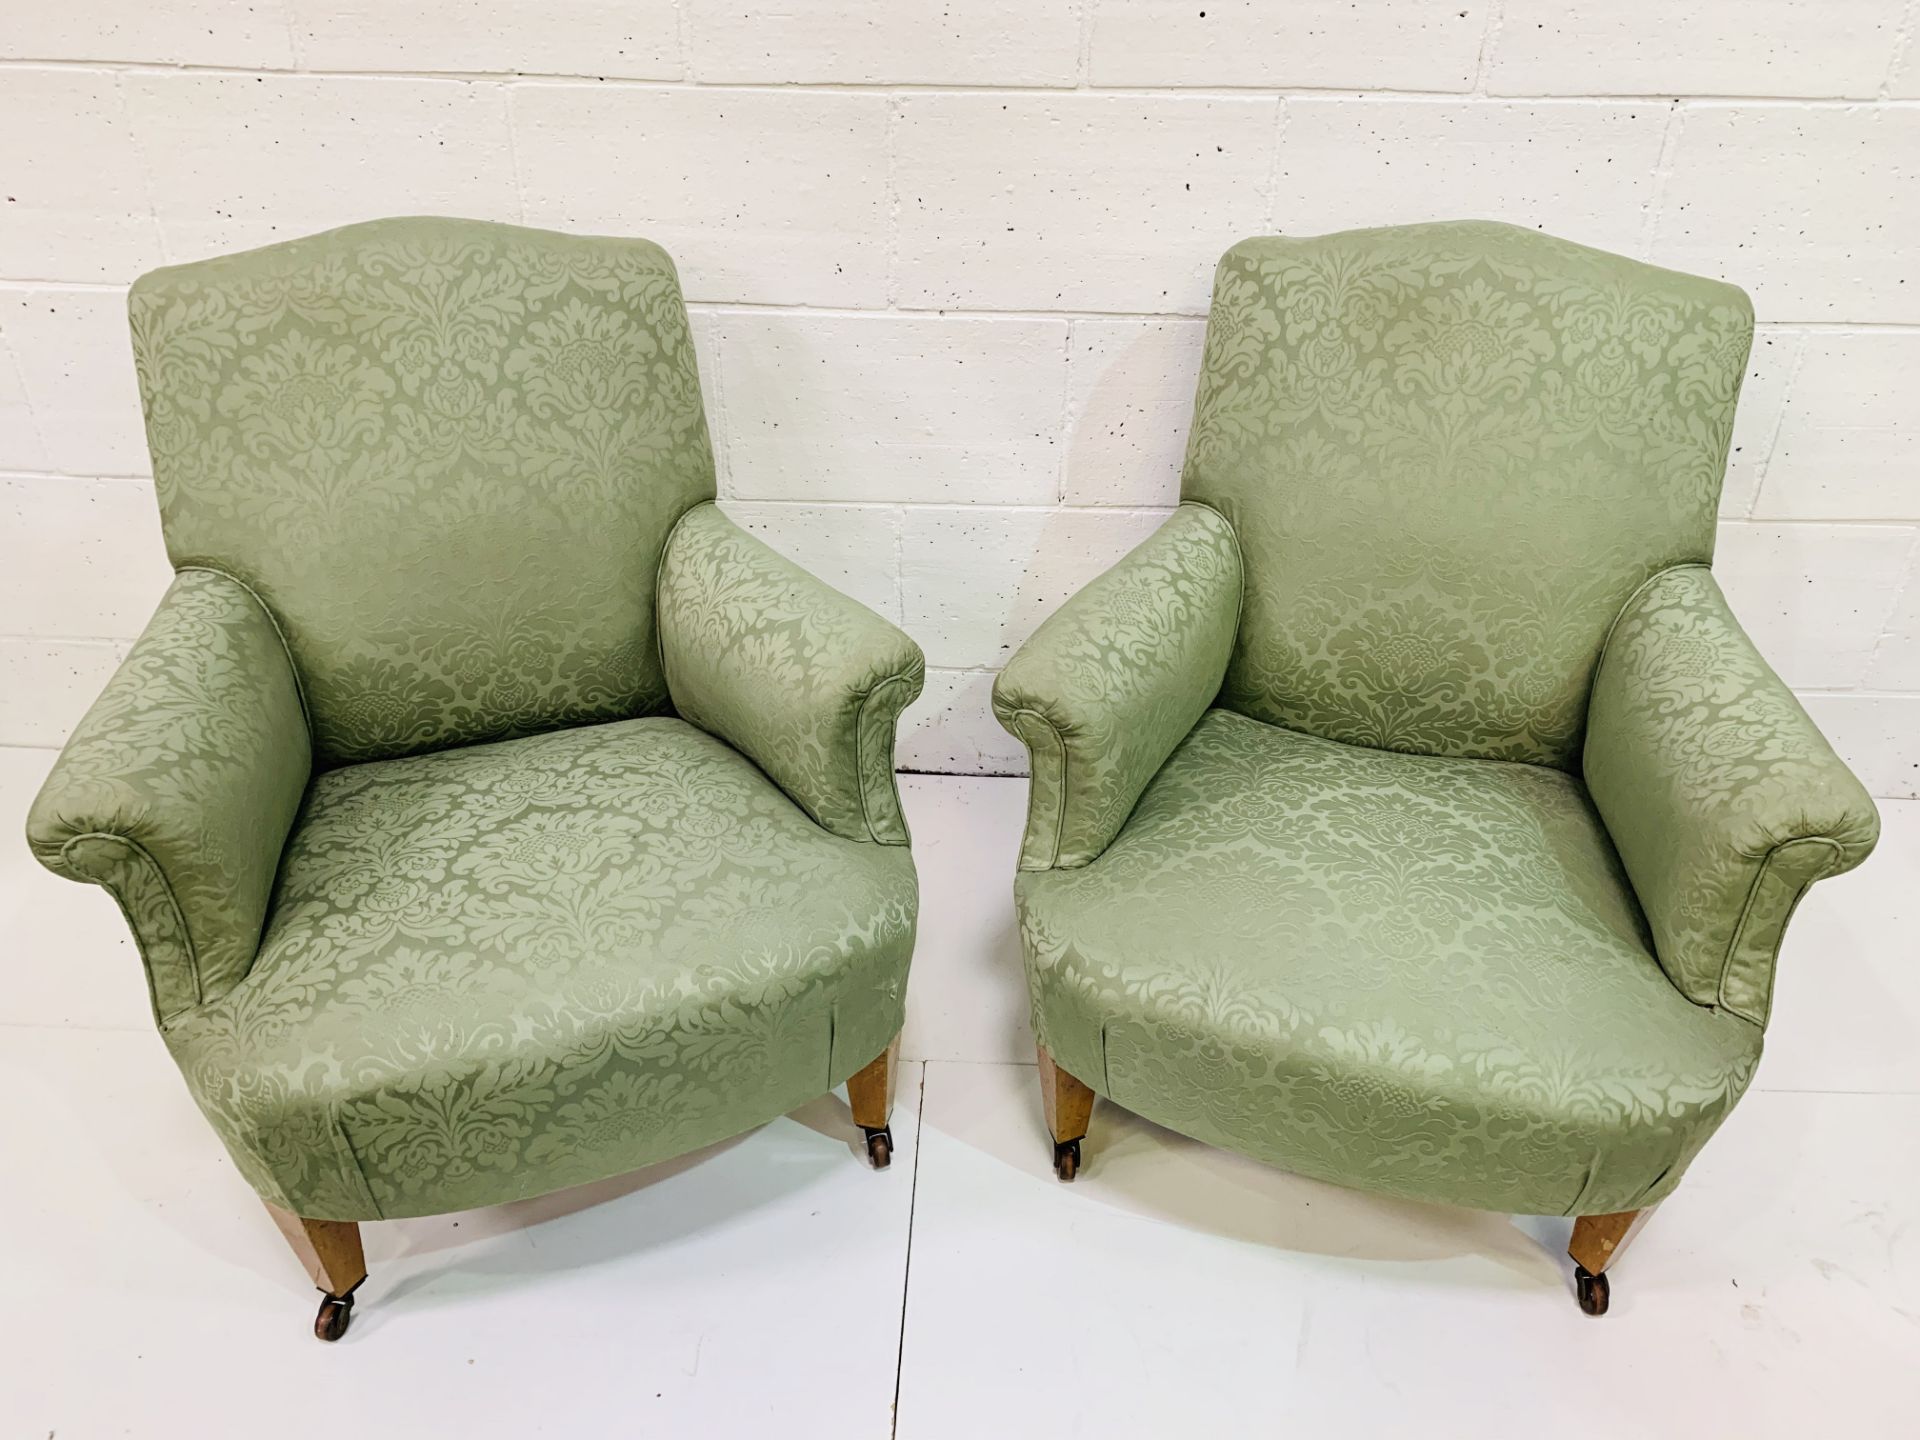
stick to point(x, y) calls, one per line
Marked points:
point(1467, 829)
point(466, 410)
point(178, 787)
point(1724, 801)
point(496, 970)
point(1127, 667)
point(804, 681)
point(491, 813)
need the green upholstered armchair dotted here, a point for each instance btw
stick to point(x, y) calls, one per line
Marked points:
point(1410, 810)
point(492, 814)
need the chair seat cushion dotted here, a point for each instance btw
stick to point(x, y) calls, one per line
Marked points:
point(1412, 974)
point(495, 971)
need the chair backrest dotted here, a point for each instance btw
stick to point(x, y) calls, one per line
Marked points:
point(1450, 453)
point(446, 455)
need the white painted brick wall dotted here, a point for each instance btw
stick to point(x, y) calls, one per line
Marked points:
point(762, 196)
point(1205, 44)
point(1850, 446)
point(1580, 168)
point(552, 37)
point(1815, 48)
point(948, 260)
point(1075, 202)
point(885, 408)
point(881, 42)
point(1815, 209)
point(1130, 387)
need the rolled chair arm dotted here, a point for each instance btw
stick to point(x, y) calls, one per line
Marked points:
point(177, 789)
point(1116, 678)
point(805, 682)
point(1723, 799)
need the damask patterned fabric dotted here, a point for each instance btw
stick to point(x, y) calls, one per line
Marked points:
point(789, 671)
point(1103, 691)
point(1724, 799)
point(1421, 975)
point(177, 789)
point(419, 478)
point(1450, 453)
point(502, 969)
point(1368, 921)
point(445, 454)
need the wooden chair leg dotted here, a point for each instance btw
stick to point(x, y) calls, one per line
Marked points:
point(870, 1093)
point(1597, 1242)
point(1069, 1107)
point(330, 1249)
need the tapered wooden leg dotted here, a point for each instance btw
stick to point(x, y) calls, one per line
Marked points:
point(870, 1093)
point(330, 1249)
point(1597, 1243)
point(1069, 1107)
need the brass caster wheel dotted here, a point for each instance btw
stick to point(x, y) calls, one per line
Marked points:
point(336, 1313)
point(1591, 1289)
point(1066, 1158)
point(879, 1145)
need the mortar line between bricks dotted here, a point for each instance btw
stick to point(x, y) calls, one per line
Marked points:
point(1083, 54)
point(1014, 507)
point(1347, 94)
point(895, 118)
point(1794, 363)
point(1888, 623)
point(1281, 115)
point(1897, 51)
point(294, 47)
point(683, 38)
point(970, 507)
point(513, 154)
point(1063, 437)
point(1662, 171)
point(1767, 324)
point(1489, 42)
point(137, 142)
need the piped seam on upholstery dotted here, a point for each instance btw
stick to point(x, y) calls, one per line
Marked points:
point(1626, 608)
point(861, 759)
point(659, 583)
point(140, 940)
point(1033, 788)
point(286, 649)
point(1746, 917)
point(1240, 568)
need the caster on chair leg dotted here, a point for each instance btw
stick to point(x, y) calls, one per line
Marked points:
point(336, 1313)
point(879, 1145)
point(1592, 1290)
point(1066, 1158)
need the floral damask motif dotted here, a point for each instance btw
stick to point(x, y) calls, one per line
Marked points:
point(1463, 369)
point(463, 987)
point(1395, 946)
point(421, 478)
point(1718, 789)
point(792, 673)
point(357, 422)
point(1332, 923)
point(178, 787)
point(1104, 690)
point(1469, 341)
